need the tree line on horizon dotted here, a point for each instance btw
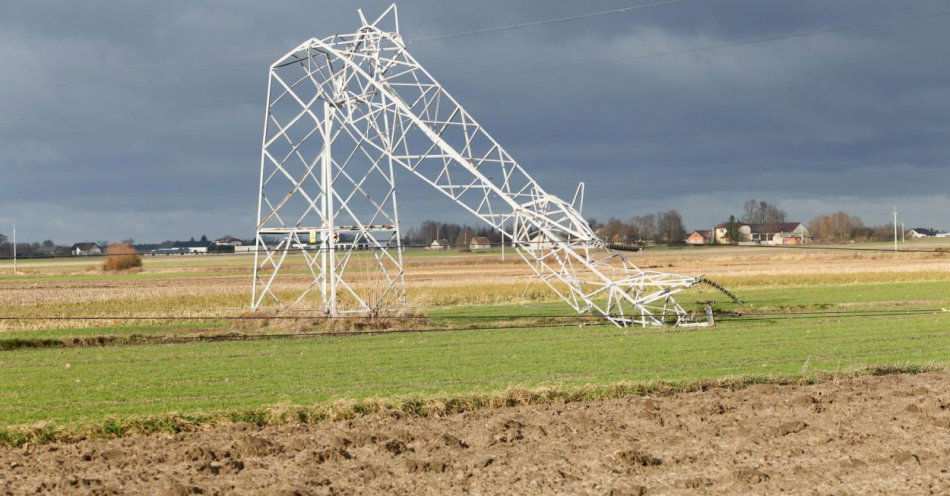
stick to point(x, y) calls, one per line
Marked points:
point(668, 227)
point(665, 227)
point(49, 248)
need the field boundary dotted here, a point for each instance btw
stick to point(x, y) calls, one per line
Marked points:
point(413, 405)
point(142, 339)
point(519, 322)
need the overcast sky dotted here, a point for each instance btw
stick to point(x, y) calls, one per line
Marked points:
point(143, 119)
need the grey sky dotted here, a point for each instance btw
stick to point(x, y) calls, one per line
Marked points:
point(143, 119)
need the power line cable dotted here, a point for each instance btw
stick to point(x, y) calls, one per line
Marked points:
point(229, 61)
point(719, 46)
point(542, 22)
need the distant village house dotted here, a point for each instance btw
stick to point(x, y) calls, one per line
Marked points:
point(228, 241)
point(778, 233)
point(439, 244)
point(700, 237)
point(479, 243)
point(920, 232)
point(80, 249)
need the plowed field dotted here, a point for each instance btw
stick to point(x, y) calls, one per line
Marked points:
point(872, 434)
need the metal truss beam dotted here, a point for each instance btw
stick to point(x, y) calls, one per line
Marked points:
point(356, 106)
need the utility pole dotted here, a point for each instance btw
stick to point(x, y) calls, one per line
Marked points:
point(895, 228)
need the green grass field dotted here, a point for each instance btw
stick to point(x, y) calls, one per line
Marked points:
point(83, 385)
point(77, 388)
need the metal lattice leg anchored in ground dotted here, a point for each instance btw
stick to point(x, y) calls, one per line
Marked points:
point(358, 105)
point(328, 226)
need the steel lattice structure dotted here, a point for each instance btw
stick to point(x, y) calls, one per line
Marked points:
point(343, 113)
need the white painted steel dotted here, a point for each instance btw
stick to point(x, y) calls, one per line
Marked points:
point(364, 94)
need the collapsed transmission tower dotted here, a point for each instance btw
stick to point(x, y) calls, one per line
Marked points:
point(343, 113)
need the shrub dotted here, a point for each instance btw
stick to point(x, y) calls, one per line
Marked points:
point(121, 257)
point(220, 248)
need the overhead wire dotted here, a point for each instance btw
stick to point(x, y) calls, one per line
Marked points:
point(850, 27)
point(229, 61)
point(719, 46)
point(542, 22)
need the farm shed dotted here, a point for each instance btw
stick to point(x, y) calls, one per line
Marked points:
point(479, 243)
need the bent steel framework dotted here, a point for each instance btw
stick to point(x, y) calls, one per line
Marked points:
point(342, 113)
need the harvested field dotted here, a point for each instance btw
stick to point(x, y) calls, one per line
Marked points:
point(882, 434)
point(220, 285)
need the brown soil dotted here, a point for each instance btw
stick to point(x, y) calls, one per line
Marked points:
point(884, 434)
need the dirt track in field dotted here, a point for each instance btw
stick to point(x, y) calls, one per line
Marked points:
point(885, 434)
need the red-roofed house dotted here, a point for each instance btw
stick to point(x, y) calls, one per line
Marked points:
point(701, 237)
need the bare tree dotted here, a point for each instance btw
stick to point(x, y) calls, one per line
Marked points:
point(875, 233)
point(464, 238)
point(670, 227)
point(644, 227)
point(430, 231)
point(614, 227)
point(762, 212)
point(836, 228)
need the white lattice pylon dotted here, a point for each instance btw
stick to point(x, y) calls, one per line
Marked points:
point(361, 98)
point(327, 216)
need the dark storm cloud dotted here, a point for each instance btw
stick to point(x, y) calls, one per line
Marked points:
point(143, 119)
